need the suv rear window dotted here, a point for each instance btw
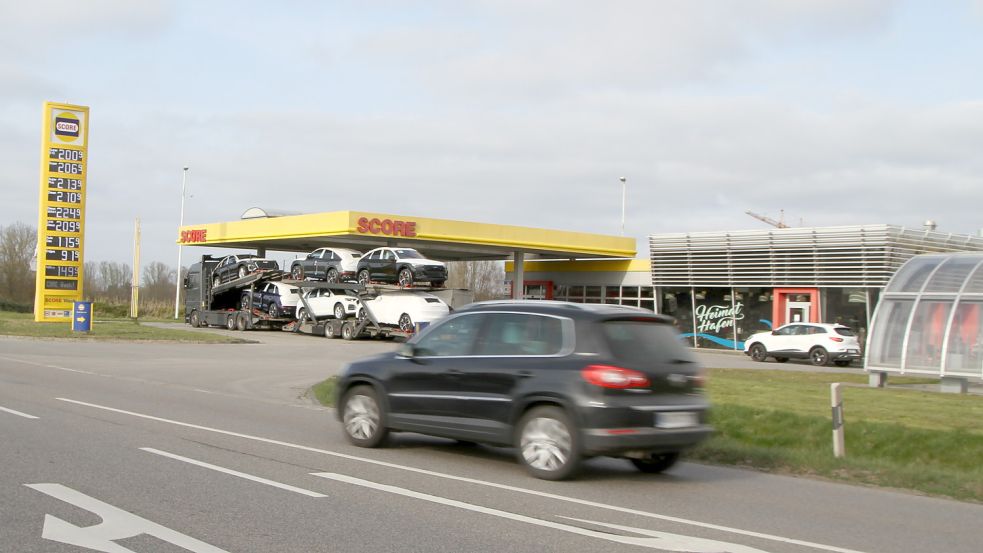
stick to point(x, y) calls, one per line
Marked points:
point(843, 331)
point(644, 342)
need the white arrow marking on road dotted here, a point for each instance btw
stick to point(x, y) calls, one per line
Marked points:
point(116, 524)
point(656, 540)
point(497, 485)
point(18, 413)
point(234, 473)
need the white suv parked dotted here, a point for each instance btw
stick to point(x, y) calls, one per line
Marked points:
point(817, 342)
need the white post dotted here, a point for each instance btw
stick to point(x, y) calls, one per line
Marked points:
point(177, 285)
point(624, 195)
point(135, 281)
point(836, 401)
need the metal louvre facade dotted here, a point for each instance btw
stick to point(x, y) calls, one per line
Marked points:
point(847, 256)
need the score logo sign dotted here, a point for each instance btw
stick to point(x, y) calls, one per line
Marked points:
point(387, 227)
point(197, 235)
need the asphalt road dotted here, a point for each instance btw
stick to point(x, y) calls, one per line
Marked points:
point(167, 447)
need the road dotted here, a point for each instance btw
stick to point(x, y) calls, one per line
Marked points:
point(161, 447)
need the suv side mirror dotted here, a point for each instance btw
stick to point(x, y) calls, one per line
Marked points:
point(774, 333)
point(407, 350)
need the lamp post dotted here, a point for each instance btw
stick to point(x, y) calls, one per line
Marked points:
point(177, 278)
point(624, 187)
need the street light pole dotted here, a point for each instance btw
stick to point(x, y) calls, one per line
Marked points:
point(177, 278)
point(624, 188)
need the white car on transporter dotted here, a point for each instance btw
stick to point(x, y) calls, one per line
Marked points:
point(330, 303)
point(406, 309)
point(818, 342)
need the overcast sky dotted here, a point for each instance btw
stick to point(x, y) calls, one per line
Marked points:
point(522, 112)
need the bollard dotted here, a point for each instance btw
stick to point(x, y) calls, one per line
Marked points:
point(836, 400)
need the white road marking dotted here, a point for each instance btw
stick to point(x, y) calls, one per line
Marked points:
point(18, 413)
point(538, 493)
point(116, 524)
point(234, 473)
point(15, 360)
point(655, 540)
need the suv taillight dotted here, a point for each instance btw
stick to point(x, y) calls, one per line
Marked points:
point(607, 376)
point(836, 338)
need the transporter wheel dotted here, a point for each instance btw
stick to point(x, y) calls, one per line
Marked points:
point(230, 322)
point(759, 353)
point(297, 272)
point(363, 277)
point(243, 272)
point(363, 418)
point(657, 463)
point(819, 356)
point(405, 323)
point(339, 311)
point(348, 331)
point(194, 320)
point(331, 331)
point(405, 277)
point(548, 443)
point(242, 321)
point(332, 276)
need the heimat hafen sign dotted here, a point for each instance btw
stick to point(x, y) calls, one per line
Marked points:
point(713, 318)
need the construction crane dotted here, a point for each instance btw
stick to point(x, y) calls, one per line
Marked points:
point(780, 223)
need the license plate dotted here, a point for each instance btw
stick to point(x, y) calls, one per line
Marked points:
point(676, 419)
point(853, 351)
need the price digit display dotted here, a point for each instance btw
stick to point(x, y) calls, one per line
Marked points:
point(61, 271)
point(61, 213)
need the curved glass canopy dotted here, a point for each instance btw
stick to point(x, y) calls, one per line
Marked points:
point(930, 318)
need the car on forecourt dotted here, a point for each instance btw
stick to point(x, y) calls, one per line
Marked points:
point(327, 264)
point(406, 309)
point(403, 266)
point(330, 303)
point(559, 381)
point(818, 342)
point(279, 299)
point(240, 265)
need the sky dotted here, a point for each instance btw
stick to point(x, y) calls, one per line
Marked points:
point(518, 112)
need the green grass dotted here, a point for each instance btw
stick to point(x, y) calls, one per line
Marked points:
point(324, 391)
point(898, 437)
point(904, 438)
point(22, 324)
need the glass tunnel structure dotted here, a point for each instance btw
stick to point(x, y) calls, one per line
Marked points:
point(930, 318)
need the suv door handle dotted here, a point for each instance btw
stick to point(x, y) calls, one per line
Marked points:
point(524, 374)
point(455, 372)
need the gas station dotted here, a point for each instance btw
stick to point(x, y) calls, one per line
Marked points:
point(441, 239)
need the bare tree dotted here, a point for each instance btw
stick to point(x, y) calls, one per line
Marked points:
point(485, 278)
point(18, 243)
point(158, 282)
point(115, 280)
point(91, 286)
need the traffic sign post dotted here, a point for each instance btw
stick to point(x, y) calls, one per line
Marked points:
point(82, 316)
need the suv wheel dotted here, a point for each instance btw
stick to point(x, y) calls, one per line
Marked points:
point(243, 272)
point(274, 311)
point(297, 272)
point(657, 463)
point(332, 276)
point(405, 277)
point(339, 311)
point(363, 277)
point(362, 417)
point(549, 446)
point(405, 323)
point(758, 353)
point(819, 356)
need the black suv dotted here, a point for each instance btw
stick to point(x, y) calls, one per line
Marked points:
point(559, 381)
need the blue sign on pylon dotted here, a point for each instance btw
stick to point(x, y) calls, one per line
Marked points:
point(81, 316)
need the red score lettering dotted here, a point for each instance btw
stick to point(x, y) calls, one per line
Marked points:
point(198, 235)
point(388, 227)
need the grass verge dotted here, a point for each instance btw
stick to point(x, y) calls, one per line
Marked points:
point(22, 324)
point(779, 421)
point(898, 437)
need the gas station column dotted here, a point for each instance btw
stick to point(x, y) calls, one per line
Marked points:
point(518, 275)
point(260, 252)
